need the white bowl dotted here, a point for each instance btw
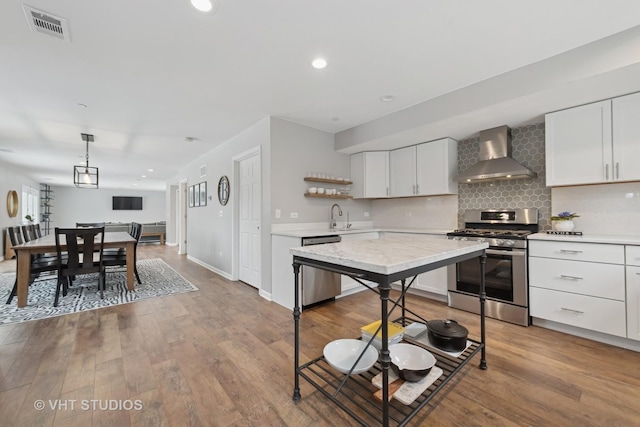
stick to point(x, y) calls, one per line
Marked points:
point(313, 190)
point(408, 357)
point(342, 354)
point(320, 190)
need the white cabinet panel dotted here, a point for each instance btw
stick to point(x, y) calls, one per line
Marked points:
point(437, 167)
point(370, 174)
point(402, 172)
point(578, 144)
point(633, 303)
point(576, 251)
point(586, 278)
point(596, 314)
point(434, 281)
point(626, 138)
point(632, 255)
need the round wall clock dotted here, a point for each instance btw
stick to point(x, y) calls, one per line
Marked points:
point(223, 190)
point(12, 203)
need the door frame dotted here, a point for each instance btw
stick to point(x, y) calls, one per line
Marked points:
point(182, 217)
point(235, 206)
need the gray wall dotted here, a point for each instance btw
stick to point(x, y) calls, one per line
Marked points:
point(11, 179)
point(71, 205)
point(295, 151)
point(209, 235)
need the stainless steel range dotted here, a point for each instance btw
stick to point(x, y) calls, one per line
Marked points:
point(506, 277)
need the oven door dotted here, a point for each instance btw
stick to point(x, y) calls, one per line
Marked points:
point(505, 276)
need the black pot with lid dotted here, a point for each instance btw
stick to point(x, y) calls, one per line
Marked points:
point(447, 335)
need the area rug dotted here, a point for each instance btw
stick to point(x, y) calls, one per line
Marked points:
point(158, 279)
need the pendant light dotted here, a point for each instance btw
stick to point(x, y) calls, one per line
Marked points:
point(85, 176)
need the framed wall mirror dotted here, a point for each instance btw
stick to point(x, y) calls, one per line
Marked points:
point(12, 204)
point(223, 190)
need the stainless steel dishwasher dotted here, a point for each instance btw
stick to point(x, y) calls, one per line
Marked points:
point(319, 285)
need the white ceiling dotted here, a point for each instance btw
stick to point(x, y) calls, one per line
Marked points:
point(153, 72)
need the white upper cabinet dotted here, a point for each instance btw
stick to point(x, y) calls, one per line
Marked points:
point(595, 143)
point(370, 174)
point(578, 144)
point(626, 138)
point(402, 170)
point(437, 167)
point(424, 170)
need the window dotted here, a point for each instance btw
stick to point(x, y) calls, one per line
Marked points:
point(30, 202)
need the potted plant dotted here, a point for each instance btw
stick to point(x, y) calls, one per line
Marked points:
point(29, 218)
point(564, 221)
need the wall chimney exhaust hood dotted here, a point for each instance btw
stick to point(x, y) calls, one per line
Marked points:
point(495, 162)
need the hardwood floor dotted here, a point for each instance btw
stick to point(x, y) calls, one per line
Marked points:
point(223, 356)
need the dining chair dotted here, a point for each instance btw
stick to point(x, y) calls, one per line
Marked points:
point(38, 232)
point(84, 251)
point(118, 257)
point(28, 232)
point(38, 265)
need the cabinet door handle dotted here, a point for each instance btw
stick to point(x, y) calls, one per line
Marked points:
point(566, 277)
point(387, 191)
point(417, 189)
point(570, 251)
point(571, 311)
point(414, 188)
point(617, 170)
point(606, 172)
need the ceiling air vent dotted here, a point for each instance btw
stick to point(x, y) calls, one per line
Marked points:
point(46, 23)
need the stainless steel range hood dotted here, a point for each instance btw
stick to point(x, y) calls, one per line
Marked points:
point(495, 162)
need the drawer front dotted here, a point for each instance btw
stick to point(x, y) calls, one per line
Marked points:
point(594, 252)
point(632, 255)
point(595, 314)
point(585, 278)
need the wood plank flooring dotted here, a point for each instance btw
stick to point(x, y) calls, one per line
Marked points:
point(223, 356)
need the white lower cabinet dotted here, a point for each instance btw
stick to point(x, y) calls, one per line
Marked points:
point(568, 285)
point(633, 292)
point(596, 314)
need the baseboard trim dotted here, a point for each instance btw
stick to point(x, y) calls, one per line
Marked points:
point(210, 267)
point(627, 343)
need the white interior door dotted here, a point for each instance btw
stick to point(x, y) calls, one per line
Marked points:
point(249, 208)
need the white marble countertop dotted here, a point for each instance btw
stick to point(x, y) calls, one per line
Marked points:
point(388, 255)
point(326, 232)
point(588, 238)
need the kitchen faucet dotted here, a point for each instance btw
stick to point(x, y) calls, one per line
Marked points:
point(332, 221)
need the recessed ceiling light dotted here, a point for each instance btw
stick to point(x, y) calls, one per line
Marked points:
point(150, 170)
point(190, 139)
point(7, 150)
point(202, 5)
point(336, 119)
point(387, 98)
point(319, 63)
point(143, 176)
point(81, 105)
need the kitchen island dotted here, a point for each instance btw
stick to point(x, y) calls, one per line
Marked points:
point(382, 261)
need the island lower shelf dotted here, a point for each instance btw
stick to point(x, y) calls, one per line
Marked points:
point(356, 395)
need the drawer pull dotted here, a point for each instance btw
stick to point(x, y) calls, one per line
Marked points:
point(571, 311)
point(564, 276)
point(569, 251)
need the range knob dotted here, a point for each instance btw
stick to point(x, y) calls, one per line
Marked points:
point(499, 242)
point(509, 243)
point(481, 240)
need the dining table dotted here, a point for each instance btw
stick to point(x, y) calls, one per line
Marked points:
point(47, 244)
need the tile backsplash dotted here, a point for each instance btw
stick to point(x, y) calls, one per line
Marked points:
point(603, 209)
point(527, 149)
